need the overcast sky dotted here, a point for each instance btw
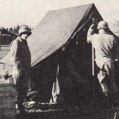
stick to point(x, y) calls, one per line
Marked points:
point(30, 12)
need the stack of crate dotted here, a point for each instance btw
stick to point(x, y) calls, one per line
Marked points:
point(7, 101)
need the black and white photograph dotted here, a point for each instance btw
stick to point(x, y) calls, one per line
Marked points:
point(59, 59)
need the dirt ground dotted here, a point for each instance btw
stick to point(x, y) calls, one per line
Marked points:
point(74, 113)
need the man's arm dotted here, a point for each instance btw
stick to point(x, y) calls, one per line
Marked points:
point(91, 32)
point(117, 49)
point(14, 53)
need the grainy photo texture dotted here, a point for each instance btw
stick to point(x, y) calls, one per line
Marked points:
point(59, 59)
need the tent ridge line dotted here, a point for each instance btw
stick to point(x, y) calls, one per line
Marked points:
point(84, 17)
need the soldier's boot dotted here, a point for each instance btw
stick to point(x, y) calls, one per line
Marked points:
point(21, 108)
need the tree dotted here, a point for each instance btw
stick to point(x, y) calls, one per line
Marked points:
point(11, 30)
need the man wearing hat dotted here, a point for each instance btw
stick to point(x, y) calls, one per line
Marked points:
point(105, 44)
point(21, 60)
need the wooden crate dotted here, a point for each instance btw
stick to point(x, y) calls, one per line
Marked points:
point(8, 113)
point(7, 90)
point(7, 102)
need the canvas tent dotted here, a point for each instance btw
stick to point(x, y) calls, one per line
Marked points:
point(60, 39)
point(59, 50)
point(56, 28)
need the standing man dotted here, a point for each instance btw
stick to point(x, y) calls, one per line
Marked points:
point(21, 59)
point(105, 45)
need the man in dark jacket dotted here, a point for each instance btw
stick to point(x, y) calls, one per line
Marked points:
point(21, 58)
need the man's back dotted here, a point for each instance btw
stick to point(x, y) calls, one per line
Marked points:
point(105, 45)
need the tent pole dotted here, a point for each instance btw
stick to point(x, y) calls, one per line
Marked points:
point(93, 73)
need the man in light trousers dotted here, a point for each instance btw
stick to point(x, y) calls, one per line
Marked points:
point(105, 45)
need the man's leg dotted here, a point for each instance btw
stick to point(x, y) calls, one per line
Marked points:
point(102, 77)
point(22, 88)
point(112, 85)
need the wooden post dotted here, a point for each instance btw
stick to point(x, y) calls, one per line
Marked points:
point(93, 60)
point(93, 72)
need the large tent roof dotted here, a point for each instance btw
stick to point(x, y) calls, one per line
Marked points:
point(54, 31)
